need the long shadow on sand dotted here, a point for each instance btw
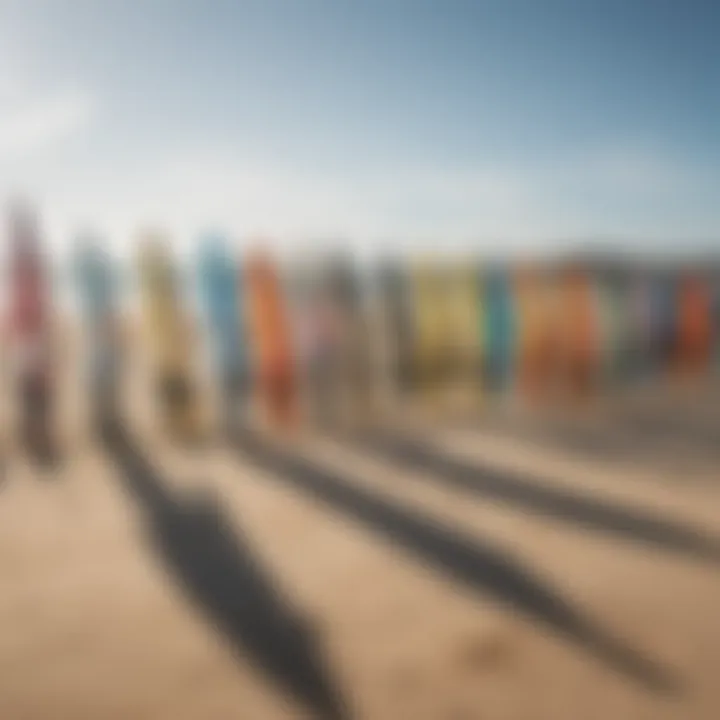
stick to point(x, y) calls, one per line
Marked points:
point(479, 566)
point(217, 569)
point(650, 438)
point(702, 434)
point(606, 443)
point(529, 493)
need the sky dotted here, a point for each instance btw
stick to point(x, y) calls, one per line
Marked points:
point(483, 125)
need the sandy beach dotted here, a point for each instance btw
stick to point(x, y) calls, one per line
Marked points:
point(488, 570)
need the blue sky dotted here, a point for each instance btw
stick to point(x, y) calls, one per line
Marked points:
point(479, 124)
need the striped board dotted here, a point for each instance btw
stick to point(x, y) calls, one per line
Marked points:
point(29, 316)
point(97, 284)
point(223, 312)
point(274, 359)
point(168, 332)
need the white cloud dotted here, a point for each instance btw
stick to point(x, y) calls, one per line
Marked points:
point(42, 123)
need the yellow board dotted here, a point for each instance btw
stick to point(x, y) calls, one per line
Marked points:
point(447, 329)
point(430, 332)
point(167, 332)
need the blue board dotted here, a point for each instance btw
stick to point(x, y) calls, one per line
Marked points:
point(499, 329)
point(221, 300)
point(97, 284)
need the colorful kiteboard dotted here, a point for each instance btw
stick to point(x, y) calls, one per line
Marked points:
point(97, 284)
point(272, 341)
point(222, 306)
point(30, 336)
point(169, 335)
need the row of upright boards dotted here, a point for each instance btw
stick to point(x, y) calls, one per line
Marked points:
point(329, 338)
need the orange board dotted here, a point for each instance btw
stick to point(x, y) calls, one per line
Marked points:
point(695, 325)
point(582, 331)
point(271, 340)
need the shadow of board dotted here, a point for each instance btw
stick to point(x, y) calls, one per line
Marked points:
point(607, 444)
point(215, 566)
point(701, 434)
point(631, 434)
point(529, 493)
point(483, 568)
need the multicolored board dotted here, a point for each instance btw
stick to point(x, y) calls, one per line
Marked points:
point(168, 334)
point(30, 335)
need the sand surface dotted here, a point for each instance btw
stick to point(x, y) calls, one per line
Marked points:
point(335, 578)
